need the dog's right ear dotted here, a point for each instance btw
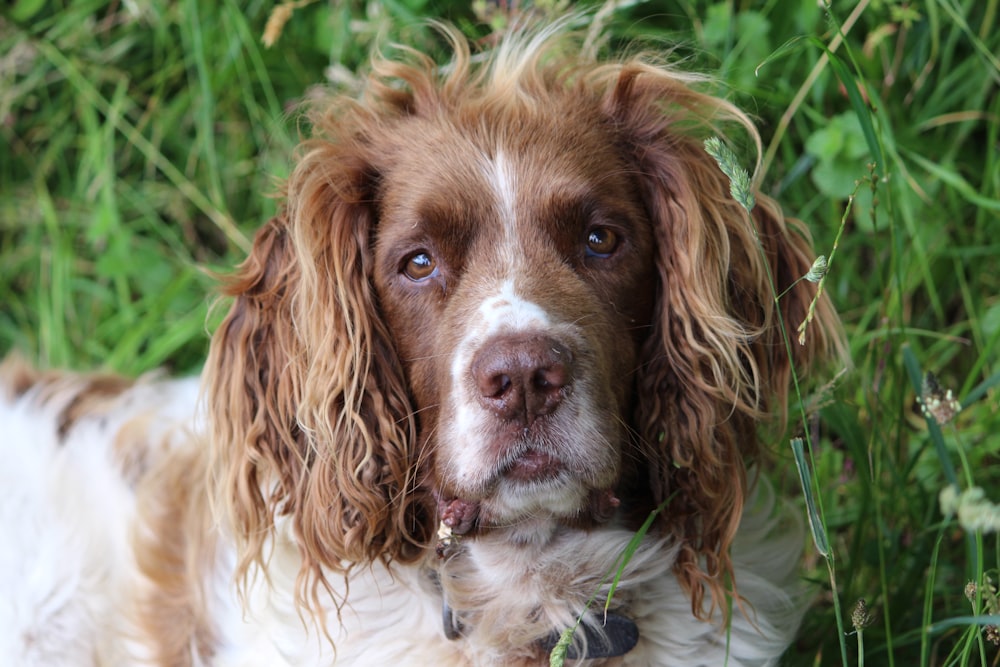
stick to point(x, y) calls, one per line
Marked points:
point(715, 364)
point(310, 418)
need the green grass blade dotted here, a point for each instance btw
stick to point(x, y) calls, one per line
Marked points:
point(980, 389)
point(853, 88)
point(819, 535)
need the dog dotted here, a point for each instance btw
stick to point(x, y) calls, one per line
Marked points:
point(492, 386)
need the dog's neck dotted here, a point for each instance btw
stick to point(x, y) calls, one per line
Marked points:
point(488, 574)
point(528, 573)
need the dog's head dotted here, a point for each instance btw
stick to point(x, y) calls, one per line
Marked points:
point(518, 282)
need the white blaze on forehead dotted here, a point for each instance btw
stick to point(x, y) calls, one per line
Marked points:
point(502, 310)
point(502, 179)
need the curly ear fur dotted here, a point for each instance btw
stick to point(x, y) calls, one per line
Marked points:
point(309, 413)
point(715, 364)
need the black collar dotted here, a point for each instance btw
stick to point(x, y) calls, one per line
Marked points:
point(620, 635)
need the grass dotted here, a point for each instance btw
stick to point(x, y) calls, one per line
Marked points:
point(138, 142)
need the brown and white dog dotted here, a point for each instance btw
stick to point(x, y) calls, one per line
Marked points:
point(509, 310)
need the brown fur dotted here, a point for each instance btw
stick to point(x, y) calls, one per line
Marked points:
point(99, 393)
point(174, 543)
point(17, 376)
point(79, 396)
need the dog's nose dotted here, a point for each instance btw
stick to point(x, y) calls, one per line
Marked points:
point(522, 377)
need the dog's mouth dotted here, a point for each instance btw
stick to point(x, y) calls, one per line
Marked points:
point(533, 466)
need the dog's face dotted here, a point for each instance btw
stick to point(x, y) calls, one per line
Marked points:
point(516, 271)
point(519, 284)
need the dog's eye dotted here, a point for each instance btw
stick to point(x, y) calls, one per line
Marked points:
point(420, 266)
point(601, 242)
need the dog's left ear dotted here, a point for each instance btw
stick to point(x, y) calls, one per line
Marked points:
point(715, 364)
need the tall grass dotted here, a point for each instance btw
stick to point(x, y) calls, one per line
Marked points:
point(139, 143)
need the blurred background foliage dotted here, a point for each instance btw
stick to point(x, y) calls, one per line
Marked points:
point(142, 141)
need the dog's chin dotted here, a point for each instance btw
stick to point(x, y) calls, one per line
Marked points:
point(530, 493)
point(534, 495)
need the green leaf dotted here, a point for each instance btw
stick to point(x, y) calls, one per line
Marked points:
point(23, 10)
